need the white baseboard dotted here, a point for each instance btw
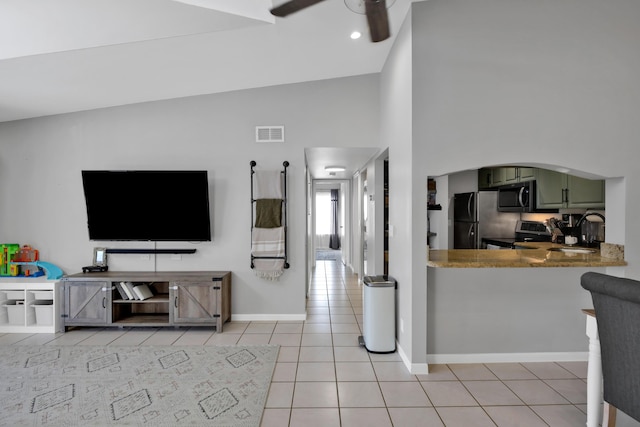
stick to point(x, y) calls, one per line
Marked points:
point(508, 357)
point(414, 368)
point(268, 317)
point(423, 368)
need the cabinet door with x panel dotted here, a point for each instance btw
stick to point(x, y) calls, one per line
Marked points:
point(200, 302)
point(87, 303)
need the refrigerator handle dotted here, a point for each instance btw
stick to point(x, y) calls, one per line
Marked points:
point(469, 202)
point(472, 237)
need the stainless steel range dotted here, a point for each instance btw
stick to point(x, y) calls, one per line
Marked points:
point(526, 231)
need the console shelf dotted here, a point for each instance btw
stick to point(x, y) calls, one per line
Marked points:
point(161, 298)
point(146, 319)
point(151, 251)
point(180, 298)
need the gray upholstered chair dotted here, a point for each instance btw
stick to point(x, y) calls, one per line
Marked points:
point(617, 305)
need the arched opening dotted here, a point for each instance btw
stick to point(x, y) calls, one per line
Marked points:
point(560, 193)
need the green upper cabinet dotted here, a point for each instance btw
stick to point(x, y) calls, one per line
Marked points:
point(506, 175)
point(495, 177)
point(485, 177)
point(557, 190)
point(498, 176)
point(515, 174)
point(554, 190)
point(550, 189)
point(526, 174)
point(585, 193)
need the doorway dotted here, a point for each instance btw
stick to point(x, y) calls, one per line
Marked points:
point(330, 213)
point(365, 223)
point(374, 219)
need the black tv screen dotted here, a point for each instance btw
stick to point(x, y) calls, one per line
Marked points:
point(147, 205)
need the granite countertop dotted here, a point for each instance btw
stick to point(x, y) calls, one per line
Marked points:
point(539, 256)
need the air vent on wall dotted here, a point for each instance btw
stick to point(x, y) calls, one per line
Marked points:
point(269, 133)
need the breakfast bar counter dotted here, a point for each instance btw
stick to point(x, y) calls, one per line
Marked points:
point(537, 254)
point(486, 305)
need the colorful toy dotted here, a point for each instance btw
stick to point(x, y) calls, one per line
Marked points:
point(26, 254)
point(24, 262)
point(7, 251)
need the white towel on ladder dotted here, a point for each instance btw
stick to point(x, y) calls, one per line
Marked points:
point(268, 242)
point(267, 185)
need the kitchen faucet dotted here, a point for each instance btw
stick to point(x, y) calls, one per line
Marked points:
point(590, 236)
point(583, 217)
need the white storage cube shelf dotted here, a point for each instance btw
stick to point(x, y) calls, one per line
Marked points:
point(15, 313)
point(44, 312)
point(29, 305)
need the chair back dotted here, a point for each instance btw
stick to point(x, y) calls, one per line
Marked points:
point(617, 305)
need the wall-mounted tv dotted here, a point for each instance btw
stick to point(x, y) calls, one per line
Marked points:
point(147, 205)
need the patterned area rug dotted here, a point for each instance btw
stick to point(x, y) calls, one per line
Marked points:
point(135, 386)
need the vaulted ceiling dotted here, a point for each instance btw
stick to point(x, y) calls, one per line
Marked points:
point(59, 56)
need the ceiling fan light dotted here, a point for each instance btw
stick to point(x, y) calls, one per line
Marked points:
point(357, 6)
point(335, 168)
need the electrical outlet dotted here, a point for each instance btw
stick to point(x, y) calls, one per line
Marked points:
point(176, 257)
point(145, 257)
point(401, 326)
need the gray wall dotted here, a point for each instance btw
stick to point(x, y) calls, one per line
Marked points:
point(489, 82)
point(508, 311)
point(41, 189)
point(407, 203)
point(548, 83)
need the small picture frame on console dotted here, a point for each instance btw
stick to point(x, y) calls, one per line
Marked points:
point(100, 257)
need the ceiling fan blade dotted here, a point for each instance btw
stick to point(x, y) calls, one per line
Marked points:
point(378, 19)
point(292, 6)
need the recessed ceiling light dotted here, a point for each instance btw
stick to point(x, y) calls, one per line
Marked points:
point(356, 35)
point(335, 168)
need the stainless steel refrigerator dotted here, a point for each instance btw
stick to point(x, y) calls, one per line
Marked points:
point(475, 215)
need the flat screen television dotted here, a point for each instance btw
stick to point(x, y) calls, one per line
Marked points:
point(147, 205)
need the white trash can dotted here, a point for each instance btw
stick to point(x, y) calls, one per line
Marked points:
point(379, 314)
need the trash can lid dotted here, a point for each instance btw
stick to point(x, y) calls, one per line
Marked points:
point(381, 278)
point(381, 281)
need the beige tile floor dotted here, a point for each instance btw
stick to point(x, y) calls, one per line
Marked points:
point(323, 378)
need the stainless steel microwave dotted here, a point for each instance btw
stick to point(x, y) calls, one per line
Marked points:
point(520, 197)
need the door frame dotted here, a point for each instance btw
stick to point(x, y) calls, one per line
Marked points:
point(344, 185)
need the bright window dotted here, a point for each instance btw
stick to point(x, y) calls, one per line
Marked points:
point(323, 212)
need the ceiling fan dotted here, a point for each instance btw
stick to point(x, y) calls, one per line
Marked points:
point(375, 10)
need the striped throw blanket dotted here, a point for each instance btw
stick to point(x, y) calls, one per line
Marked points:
point(268, 242)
